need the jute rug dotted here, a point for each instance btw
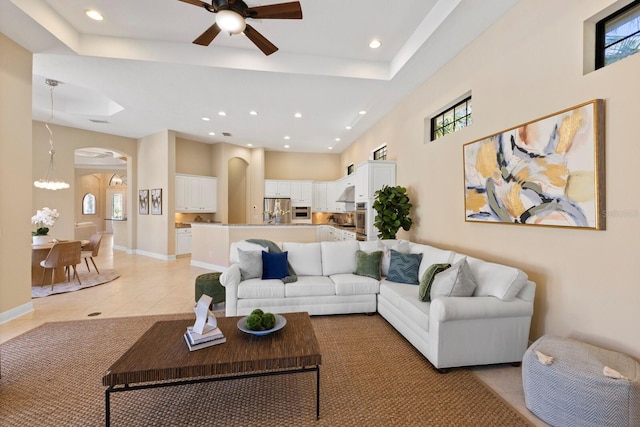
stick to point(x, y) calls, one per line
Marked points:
point(51, 376)
point(88, 280)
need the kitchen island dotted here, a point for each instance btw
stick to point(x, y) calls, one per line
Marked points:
point(210, 241)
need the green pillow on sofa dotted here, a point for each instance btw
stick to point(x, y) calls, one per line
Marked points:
point(368, 264)
point(424, 292)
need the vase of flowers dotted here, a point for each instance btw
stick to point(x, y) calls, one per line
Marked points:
point(44, 219)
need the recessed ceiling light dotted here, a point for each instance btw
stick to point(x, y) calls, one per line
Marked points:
point(287, 137)
point(338, 140)
point(249, 145)
point(222, 113)
point(297, 115)
point(253, 113)
point(362, 113)
point(347, 127)
point(212, 133)
point(330, 148)
point(287, 146)
point(206, 119)
point(375, 43)
point(94, 14)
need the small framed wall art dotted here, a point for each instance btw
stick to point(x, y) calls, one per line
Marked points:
point(156, 201)
point(547, 172)
point(143, 202)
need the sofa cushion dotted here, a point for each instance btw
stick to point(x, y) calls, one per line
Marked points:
point(338, 257)
point(258, 288)
point(250, 264)
point(497, 280)
point(305, 258)
point(274, 266)
point(351, 284)
point(426, 280)
point(244, 245)
point(369, 246)
point(403, 268)
point(310, 286)
point(368, 264)
point(456, 281)
point(405, 298)
point(431, 255)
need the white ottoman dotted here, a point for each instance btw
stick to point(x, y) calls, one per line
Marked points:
point(572, 390)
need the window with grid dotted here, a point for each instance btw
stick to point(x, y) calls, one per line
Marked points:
point(618, 35)
point(380, 153)
point(452, 119)
point(351, 169)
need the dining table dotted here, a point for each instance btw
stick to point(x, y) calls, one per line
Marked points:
point(39, 253)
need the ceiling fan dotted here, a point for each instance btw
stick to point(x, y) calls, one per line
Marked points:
point(231, 15)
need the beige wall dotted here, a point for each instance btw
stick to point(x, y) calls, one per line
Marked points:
point(237, 196)
point(193, 157)
point(317, 167)
point(519, 70)
point(16, 182)
point(155, 233)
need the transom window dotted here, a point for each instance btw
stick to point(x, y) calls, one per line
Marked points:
point(380, 153)
point(618, 35)
point(452, 119)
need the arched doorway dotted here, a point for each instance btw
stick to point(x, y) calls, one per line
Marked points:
point(237, 191)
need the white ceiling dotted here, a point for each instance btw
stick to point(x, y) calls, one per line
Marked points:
point(139, 71)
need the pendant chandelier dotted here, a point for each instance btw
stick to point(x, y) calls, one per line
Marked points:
point(49, 181)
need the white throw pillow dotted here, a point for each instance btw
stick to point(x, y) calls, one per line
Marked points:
point(456, 281)
point(245, 246)
point(497, 280)
point(305, 258)
point(339, 257)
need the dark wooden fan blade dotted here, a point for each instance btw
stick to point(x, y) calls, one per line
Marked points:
point(207, 37)
point(291, 10)
point(196, 3)
point(259, 40)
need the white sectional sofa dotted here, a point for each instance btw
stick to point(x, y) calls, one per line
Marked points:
point(491, 326)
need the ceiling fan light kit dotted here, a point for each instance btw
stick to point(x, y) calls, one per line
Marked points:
point(231, 16)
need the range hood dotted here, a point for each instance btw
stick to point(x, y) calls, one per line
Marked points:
point(348, 195)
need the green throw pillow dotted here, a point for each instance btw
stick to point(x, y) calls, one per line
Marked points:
point(368, 264)
point(424, 292)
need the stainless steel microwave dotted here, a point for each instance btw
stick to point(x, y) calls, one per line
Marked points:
point(300, 212)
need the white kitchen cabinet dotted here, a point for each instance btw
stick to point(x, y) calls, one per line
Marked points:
point(196, 193)
point(371, 176)
point(276, 188)
point(319, 197)
point(183, 241)
point(301, 193)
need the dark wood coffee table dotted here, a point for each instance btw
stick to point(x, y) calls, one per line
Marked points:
point(161, 354)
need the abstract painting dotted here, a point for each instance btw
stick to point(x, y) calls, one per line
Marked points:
point(547, 172)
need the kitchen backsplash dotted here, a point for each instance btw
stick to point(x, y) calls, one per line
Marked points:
point(338, 218)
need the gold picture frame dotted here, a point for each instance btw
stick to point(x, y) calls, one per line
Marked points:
point(546, 172)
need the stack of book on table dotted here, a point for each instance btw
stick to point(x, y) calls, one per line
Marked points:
point(196, 341)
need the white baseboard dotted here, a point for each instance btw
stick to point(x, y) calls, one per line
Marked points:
point(208, 266)
point(124, 249)
point(155, 255)
point(16, 312)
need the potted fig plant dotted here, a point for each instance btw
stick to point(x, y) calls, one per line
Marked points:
point(392, 208)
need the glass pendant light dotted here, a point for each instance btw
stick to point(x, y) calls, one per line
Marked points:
point(49, 181)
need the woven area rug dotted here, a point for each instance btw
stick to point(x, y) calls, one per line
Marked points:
point(88, 280)
point(51, 376)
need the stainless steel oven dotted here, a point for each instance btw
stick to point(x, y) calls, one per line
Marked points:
point(301, 214)
point(360, 220)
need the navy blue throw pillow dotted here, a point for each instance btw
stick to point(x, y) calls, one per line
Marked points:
point(274, 266)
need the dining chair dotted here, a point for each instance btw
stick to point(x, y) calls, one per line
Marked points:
point(62, 254)
point(91, 249)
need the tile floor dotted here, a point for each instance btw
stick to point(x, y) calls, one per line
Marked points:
point(151, 286)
